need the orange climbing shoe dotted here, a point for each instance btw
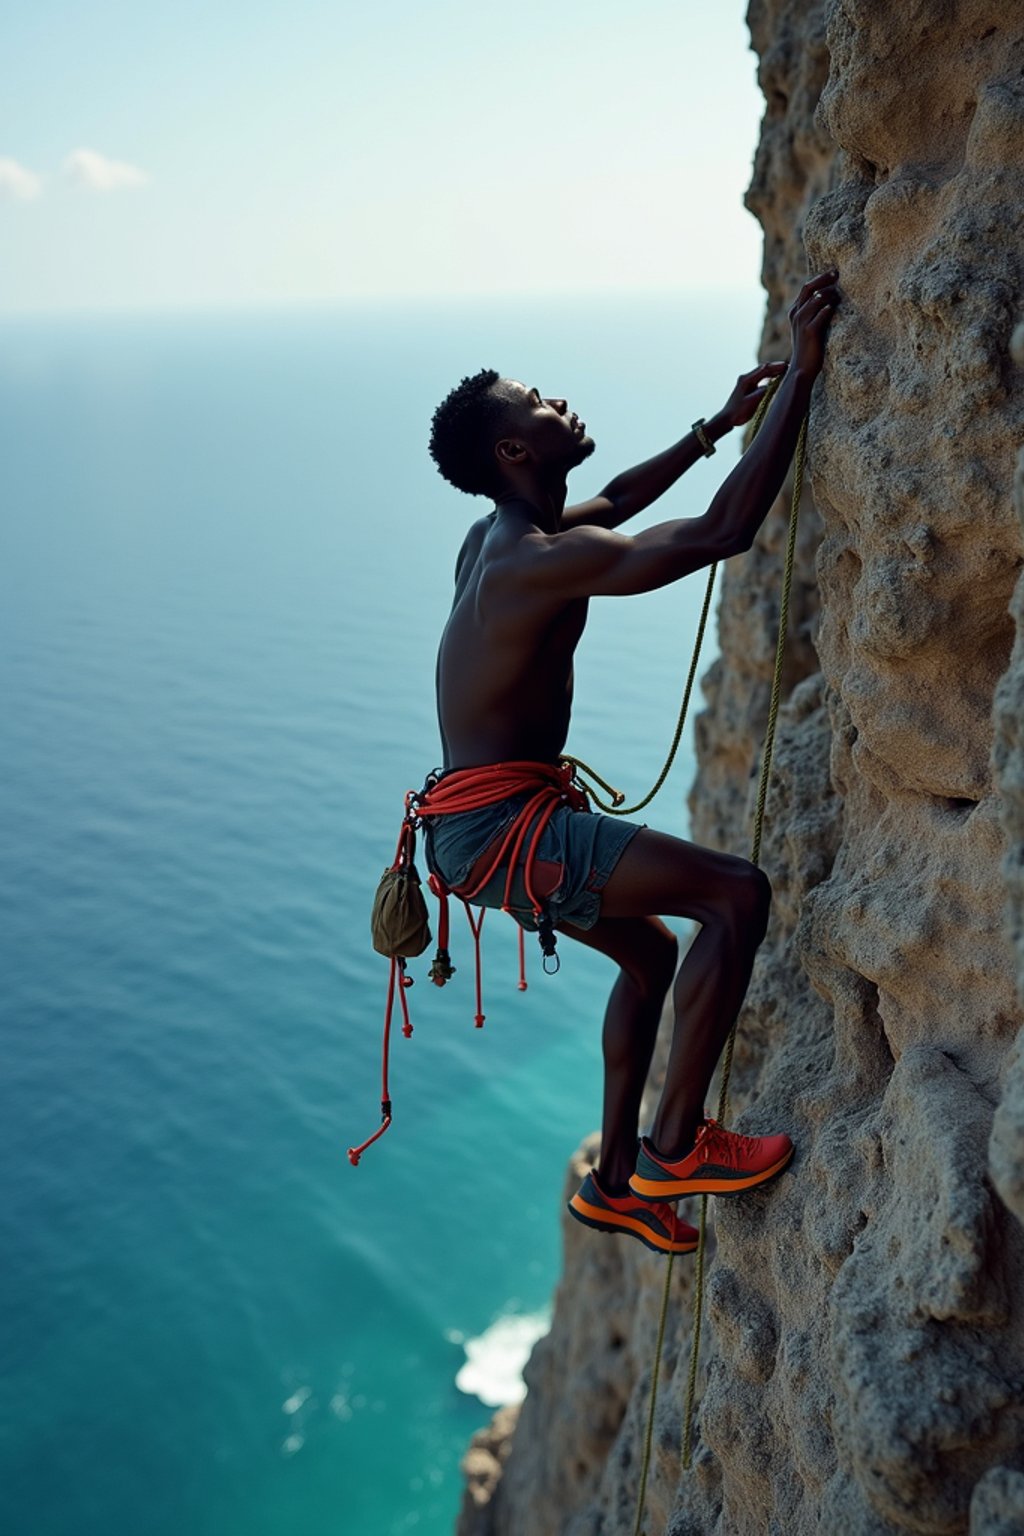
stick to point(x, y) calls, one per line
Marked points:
point(657, 1226)
point(721, 1163)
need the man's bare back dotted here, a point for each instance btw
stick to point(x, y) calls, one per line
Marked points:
point(505, 666)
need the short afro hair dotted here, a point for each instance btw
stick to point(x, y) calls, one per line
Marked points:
point(464, 430)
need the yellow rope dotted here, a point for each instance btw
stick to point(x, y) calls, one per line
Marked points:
point(616, 807)
point(762, 794)
point(649, 1431)
point(773, 709)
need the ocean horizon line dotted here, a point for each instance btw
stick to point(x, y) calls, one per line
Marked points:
point(348, 304)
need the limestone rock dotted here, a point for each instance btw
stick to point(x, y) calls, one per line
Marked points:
point(862, 1367)
point(482, 1468)
point(1006, 1151)
point(997, 1507)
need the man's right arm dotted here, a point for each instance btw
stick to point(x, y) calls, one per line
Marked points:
point(594, 562)
point(597, 562)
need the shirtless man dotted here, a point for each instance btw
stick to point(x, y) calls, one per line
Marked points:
point(504, 682)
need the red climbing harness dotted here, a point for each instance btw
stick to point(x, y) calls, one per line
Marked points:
point(548, 785)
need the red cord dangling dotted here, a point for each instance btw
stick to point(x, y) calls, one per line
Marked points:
point(355, 1153)
point(404, 982)
point(475, 930)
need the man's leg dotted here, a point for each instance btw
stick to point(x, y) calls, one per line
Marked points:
point(646, 953)
point(730, 898)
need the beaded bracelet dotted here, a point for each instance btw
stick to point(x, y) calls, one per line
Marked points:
point(698, 431)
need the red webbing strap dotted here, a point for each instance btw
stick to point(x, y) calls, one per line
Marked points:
point(468, 789)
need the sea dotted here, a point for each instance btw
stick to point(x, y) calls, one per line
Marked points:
point(225, 561)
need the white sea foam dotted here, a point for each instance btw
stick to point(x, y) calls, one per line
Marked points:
point(493, 1371)
point(295, 1402)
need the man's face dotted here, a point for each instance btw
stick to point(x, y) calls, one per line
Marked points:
point(547, 427)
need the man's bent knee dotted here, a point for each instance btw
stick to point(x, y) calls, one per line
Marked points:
point(652, 971)
point(750, 901)
point(665, 964)
point(762, 898)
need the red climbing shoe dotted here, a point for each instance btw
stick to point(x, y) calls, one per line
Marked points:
point(721, 1163)
point(657, 1226)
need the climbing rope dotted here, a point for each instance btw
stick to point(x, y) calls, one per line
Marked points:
point(615, 807)
point(755, 855)
point(649, 1430)
point(723, 1098)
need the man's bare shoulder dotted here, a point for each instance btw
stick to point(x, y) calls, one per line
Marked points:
point(473, 542)
point(528, 549)
point(510, 559)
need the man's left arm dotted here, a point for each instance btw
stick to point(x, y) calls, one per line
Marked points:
point(635, 489)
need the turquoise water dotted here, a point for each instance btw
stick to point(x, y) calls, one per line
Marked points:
point(225, 562)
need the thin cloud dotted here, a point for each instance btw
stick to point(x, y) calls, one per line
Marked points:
point(88, 168)
point(18, 182)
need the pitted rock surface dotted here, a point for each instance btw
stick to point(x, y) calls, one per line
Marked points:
point(862, 1370)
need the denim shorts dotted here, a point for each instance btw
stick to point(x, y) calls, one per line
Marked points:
point(574, 860)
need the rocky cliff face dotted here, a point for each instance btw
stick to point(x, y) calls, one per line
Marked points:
point(863, 1362)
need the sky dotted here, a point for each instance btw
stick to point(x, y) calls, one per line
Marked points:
point(165, 155)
